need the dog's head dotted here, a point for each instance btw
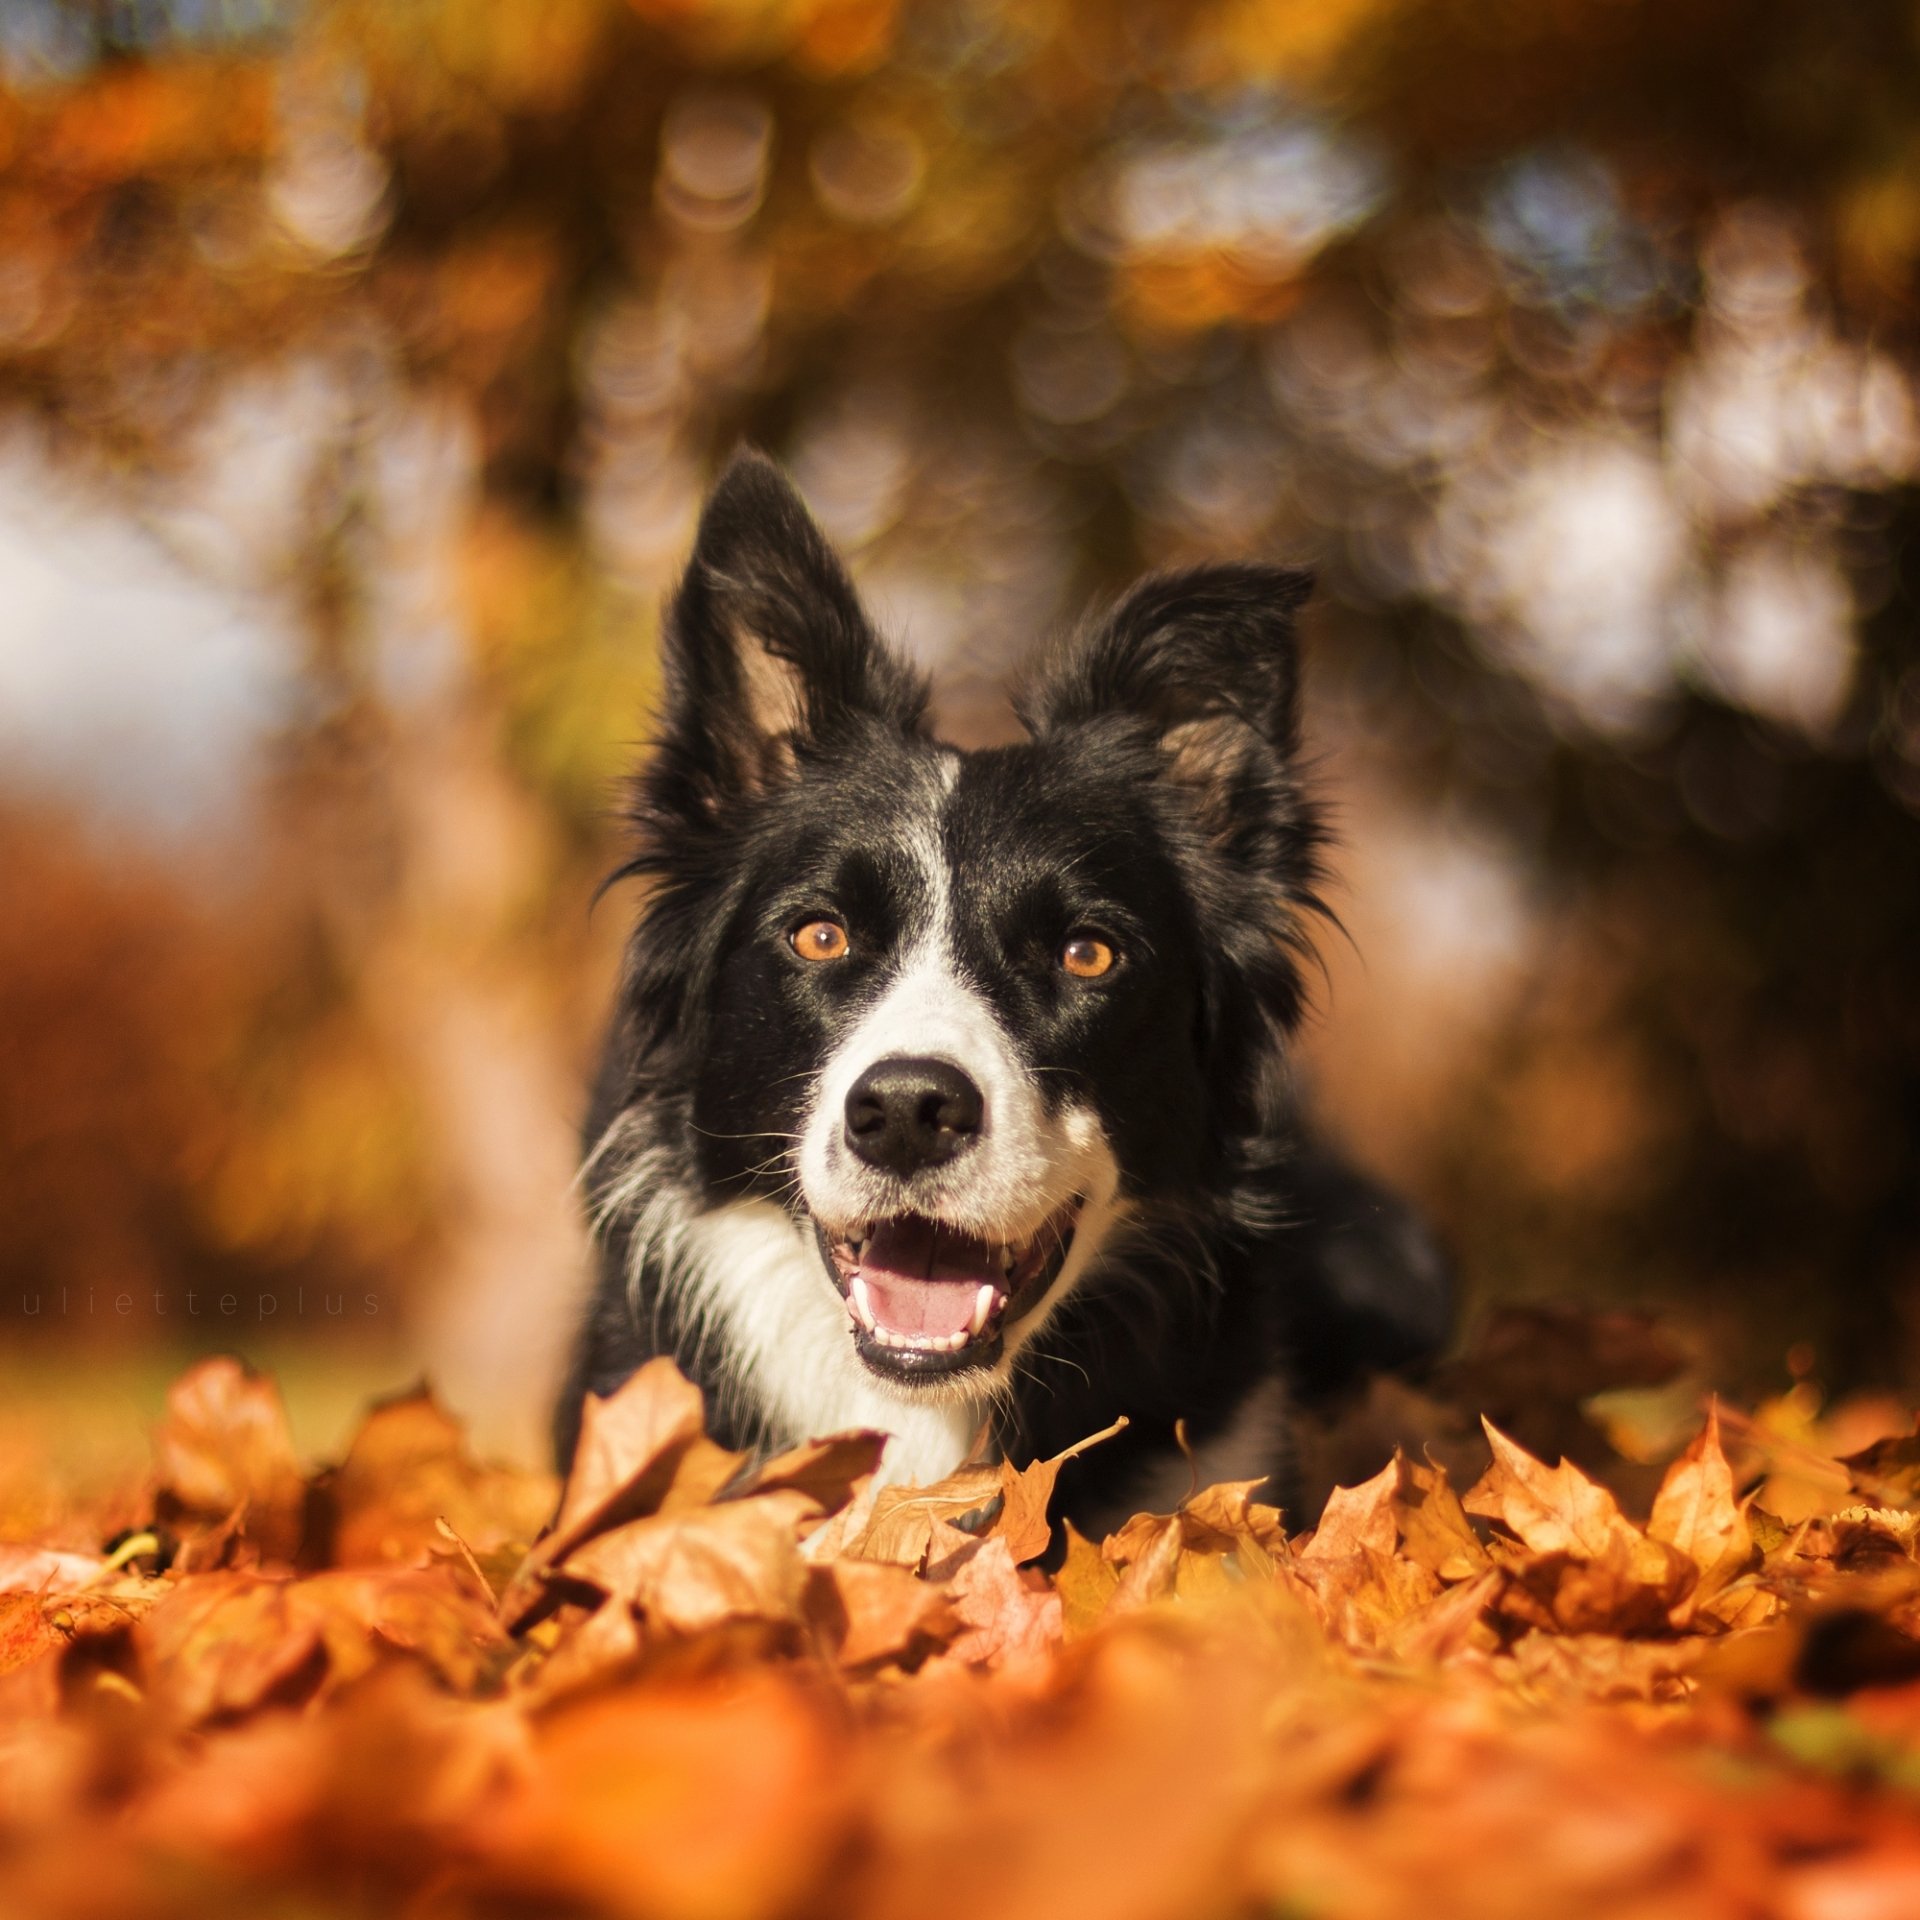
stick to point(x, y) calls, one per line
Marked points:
point(962, 1013)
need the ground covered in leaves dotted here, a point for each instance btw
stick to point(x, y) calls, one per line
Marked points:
point(707, 1687)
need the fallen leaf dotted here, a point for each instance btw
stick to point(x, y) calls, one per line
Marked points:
point(1887, 1472)
point(691, 1571)
point(633, 1444)
point(224, 1645)
point(1559, 1510)
point(905, 1519)
point(1147, 1551)
point(1588, 1568)
point(701, 1474)
point(224, 1448)
point(1602, 1666)
point(428, 1615)
point(1007, 1616)
point(1222, 1516)
point(34, 1569)
point(408, 1469)
point(606, 1646)
point(1696, 1512)
point(1132, 1540)
point(723, 1714)
point(1613, 1592)
point(1357, 1519)
point(691, 1803)
point(1085, 1583)
point(1434, 1528)
point(829, 1471)
point(874, 1613)
point(26, 1632)
point(1027, 1492)
point(836, 1537)
point(1451, 1623)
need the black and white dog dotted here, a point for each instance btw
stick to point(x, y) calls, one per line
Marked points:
point(949, 1090)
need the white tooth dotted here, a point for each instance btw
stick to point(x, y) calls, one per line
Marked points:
point(982, 1307)
point(862, 1306)
point(955, 1341)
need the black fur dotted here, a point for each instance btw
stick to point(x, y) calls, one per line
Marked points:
point(1158, 799)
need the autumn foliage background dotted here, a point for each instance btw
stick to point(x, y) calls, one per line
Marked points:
point(359, 369)
point(360, 366)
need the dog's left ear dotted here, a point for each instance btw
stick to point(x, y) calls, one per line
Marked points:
point(766, 647)
point(1206, 661)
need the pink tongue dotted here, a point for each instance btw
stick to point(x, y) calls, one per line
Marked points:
point(917, 1249)
point(923, 1278)
point(936, 1307)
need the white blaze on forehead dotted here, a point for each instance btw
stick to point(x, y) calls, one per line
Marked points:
point(1029, 1161)
point(931, 1012)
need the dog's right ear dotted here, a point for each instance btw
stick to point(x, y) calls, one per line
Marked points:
point(766, 650)
point(1205, 662)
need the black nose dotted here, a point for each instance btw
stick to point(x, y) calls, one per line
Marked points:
point(904, 1114)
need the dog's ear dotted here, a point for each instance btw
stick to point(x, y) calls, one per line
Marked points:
point(1205, 660)
point(766, 646)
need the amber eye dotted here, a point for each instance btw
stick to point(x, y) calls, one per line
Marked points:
point(819, 940)
point(1086, 958)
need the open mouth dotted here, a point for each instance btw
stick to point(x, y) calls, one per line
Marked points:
point(926, 1299)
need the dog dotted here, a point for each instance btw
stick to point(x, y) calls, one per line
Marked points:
point(948, 1091)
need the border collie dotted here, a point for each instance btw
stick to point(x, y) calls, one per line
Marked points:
point(948, 1091)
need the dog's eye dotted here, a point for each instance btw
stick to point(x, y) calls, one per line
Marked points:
point(819, 940)
point(1086, 957)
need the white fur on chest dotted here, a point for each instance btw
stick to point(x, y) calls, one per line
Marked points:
point(762, 1297)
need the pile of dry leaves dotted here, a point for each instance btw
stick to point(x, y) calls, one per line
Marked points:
point(716, 1688)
